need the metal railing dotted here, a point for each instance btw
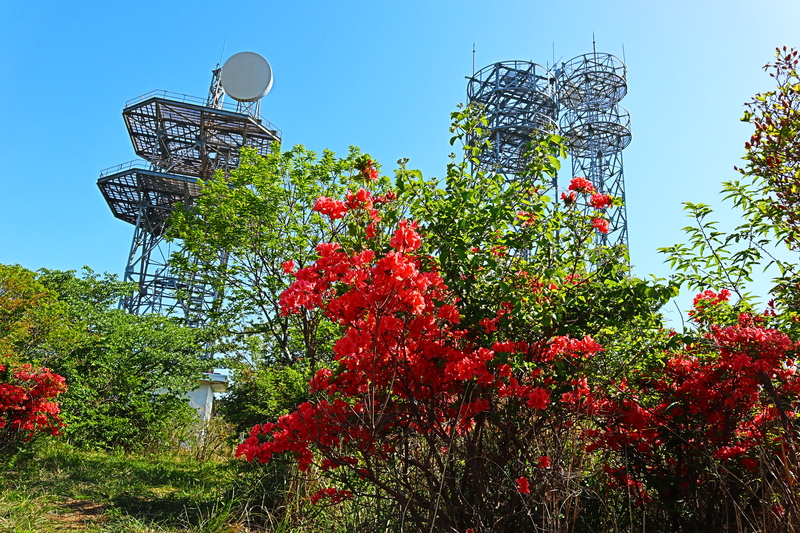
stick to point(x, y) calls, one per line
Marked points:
point(194, 100)
point(136, 163)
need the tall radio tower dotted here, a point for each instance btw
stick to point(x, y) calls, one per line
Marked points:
point(581, 98)
point(182, 139)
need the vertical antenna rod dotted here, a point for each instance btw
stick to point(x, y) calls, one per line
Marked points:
point(473, 59)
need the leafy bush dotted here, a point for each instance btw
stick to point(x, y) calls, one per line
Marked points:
point(126, 375)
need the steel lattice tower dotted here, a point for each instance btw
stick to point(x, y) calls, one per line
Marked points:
point(597, 129)
point(581, 99)
point(181, 139)
point(518, 98)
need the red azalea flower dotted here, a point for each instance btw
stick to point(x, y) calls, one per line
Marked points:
point(328, 206)
point(581, 185)
point(570, 198)
point(537, 399)
point(522, 485)
point(368, 172)
point(370, 230)
point(405, 237)
point(288, 266)
point(600, 224)
point(600, 201)
point(544, 462)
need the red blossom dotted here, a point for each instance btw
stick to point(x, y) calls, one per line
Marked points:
point(600, 201)
point(581, 185)
point(367, 171)
point(333, 494)
point(522, 485)
point(570, 198)
point(538, 398)
point(361, 199)
point(333, 208)
point(544, 462)
point(600, 224)
point(385, 198)
point(369, 232)
point(405, 238)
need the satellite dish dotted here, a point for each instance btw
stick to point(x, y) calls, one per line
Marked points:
point(246, 76)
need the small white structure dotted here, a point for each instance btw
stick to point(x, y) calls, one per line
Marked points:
point(202, 398)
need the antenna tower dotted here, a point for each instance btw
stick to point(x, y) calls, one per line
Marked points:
point(581, 99)
point(597, 129)
point(182, 139)
point(518, 98)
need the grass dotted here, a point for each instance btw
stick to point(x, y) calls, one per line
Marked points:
point(60, 488)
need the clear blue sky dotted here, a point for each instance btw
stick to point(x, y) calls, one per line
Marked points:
point(381, 75)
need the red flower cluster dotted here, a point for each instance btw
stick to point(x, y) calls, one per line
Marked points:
point(405, 238)
point(368, 172)
point(26, 401)
point(403, 363)
point(729, 404)
point(706, 303)
point(331, 493)
point(362, 199)
point(328, 206)
point(600, 201)
point(581, 185)
point(600, 224)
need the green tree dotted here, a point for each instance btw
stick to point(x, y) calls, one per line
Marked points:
point(32, 320)
point(127, 375)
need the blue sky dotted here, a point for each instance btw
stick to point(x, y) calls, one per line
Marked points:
point(383, 76)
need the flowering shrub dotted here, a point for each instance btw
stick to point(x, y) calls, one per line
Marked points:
point(719, 417)
point(27, 403)
point(406, 372)
point(430, 398)
point(464, 367)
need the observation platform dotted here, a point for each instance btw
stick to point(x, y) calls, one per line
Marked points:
point(128, 189)
point(179, 134)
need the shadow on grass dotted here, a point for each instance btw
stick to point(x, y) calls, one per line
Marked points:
point(168, 511)
point(165, 491)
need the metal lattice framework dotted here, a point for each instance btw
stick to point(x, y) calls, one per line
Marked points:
point(146, 198)
point(518, 98)
point(597, 129)
point(182, 140)
point(179, 136)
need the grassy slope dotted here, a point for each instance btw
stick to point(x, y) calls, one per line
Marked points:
point(63, 489)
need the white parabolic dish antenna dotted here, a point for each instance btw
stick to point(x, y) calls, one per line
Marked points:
point(246, 76)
